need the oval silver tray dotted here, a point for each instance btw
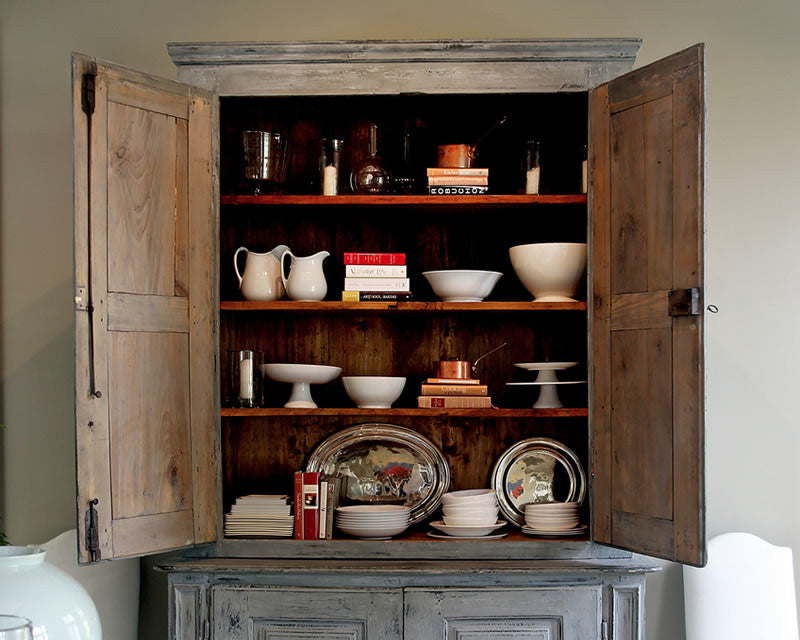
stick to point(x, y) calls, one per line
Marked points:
point(385, 463)
point(526, 473)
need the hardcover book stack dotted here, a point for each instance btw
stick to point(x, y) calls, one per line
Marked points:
point(260, 515)
point(375, 277)
point(454, 393)
point(457, 182)
point(316, 497)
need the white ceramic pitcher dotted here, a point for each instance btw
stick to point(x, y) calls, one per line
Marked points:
point(262, 279)
point(306, 279)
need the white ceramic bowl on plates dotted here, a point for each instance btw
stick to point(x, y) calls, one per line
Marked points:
point(373, 392)
point(470, 497)
point(467, 531)
point(486, 518)
point(462, 285)
point(360, 531)
point(450, 510)
point(550, 271)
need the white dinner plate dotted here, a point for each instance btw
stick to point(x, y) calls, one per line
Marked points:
point(470, 531)
point(442, 536)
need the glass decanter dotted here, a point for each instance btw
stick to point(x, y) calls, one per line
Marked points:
point(370, 176)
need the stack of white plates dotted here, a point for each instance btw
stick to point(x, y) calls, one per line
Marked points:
point(552, 519)
point(373, 521)
point(470, 513)
point(260, 515)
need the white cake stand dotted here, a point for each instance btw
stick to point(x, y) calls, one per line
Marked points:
point(301, 376)
point(547, 380)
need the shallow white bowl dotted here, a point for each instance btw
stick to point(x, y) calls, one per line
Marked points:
point(373, 392)
point(462, 285)
point(470, 497)
point(469, 531)
point(373, 532)
point(471, 521)
point(455, 510)
point(550, 271)
point(301, 376)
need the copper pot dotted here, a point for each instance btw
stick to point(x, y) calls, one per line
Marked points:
point(462, 156)
point(461, 369)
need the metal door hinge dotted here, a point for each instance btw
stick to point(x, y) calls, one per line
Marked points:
point(604, 630)
point(685, 302)
point(206, 630)
point(87, 94)
point(81, 299)
point(92, 532)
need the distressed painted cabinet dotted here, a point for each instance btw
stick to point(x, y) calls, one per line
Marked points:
point(160, 211)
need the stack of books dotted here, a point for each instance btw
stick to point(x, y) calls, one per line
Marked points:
point(316, 497)
point(457, 182)
point(454, 393)
point(267, 516)
point(376, 277)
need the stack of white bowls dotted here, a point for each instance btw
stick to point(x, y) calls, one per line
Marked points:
point(469, 513)
point(373, 521)
point(552, 518)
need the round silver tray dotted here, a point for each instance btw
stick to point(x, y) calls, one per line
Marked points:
point(526, 472)
point(385, 463)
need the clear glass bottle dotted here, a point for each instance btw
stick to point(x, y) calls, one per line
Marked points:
point(532, 168)
point(370, 176)
point(404, 181)
point(584, 170)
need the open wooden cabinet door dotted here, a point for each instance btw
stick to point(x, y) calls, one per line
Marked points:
point(646, 261)
point(145, 377)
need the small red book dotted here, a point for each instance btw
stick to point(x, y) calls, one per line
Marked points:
point(374, 258)
point(310, 505)
point(298, 505)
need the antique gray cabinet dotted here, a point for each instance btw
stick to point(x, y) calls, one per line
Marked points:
point(157, 465)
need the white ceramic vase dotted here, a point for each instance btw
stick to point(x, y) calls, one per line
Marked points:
point(54, 601)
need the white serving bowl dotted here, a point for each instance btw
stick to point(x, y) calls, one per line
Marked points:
point(467, 531)
point(450, 510)
point(550, 271)
point(470, 497)
point(373, 392)
point(489, 517)
point(373, 532)
point(301, 376)
point(462, 285)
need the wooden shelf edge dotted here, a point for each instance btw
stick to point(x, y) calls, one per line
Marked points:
point(577, 412)
point(337, 306)
point(354, 200)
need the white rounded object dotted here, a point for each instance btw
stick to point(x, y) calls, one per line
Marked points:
point(373, 532)
point(373, 392)
point(450, 510)
point(57, 604)
point(473, 520)
point(462, 285)
point(470, 497)
point(294, 373)
point(550, 271)
point(467, 531)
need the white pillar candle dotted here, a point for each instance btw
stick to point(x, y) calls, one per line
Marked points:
point(584, 177)
point(532, 181)
point(329, 176)
point(246, 391)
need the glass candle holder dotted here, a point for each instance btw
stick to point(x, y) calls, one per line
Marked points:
point(584, 170)
point(330, 165)
point(244, 378)
point(531, 166)
point(15, 628)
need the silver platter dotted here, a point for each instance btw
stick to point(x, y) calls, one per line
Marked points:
point(526, 473)
point(385, 463)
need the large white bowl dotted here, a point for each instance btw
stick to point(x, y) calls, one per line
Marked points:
point(550, 271)
point(470, 497)
point(483, 519)
point(373, 392)
point(373, 532)
point(462, 285)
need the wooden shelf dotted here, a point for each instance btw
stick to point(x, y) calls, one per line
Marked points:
point(419, 307)
point(578, 412)
point(353, 200)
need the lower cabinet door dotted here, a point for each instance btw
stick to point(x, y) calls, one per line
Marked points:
point(285, 613)
point(571, 613)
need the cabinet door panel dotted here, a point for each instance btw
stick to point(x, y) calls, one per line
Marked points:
point(502, 614)
point(263, 613)
point(145, 388)
point(647, 134)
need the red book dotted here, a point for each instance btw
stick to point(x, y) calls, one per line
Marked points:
point(298, 505)
point(311, 505)
point(374, 258)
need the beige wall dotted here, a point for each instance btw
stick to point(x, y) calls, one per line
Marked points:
point(752, 212)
